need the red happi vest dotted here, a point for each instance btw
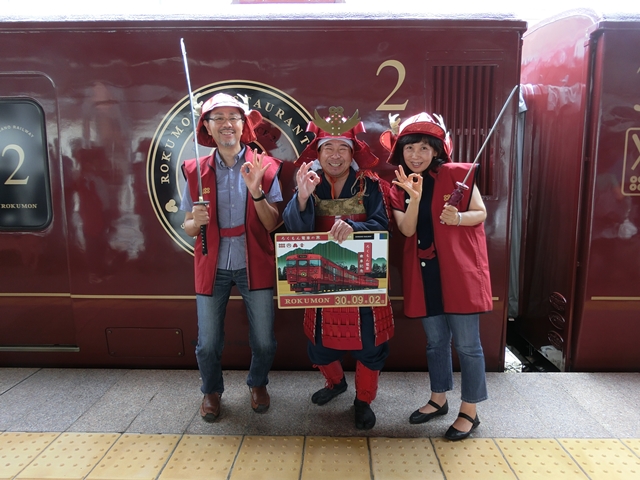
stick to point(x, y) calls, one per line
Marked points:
point(461, 251)
point(260, 257)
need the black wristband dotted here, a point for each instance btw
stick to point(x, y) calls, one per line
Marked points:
point(261, 197)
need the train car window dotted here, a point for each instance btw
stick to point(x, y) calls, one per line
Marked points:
point(302, 263)
point(314, 263)
point(291, 263)
point(465, 96)
point(25, 200)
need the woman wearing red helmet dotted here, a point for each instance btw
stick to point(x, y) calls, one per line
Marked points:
point(445, 265)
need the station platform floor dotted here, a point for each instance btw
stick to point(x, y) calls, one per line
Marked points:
point(145, 424)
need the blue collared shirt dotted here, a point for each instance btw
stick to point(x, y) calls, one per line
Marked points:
point(231, 197)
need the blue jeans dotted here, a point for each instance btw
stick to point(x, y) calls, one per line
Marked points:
point(465, 330)
point(211, 313)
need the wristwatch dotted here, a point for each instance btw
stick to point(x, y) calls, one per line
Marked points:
point(261, 197)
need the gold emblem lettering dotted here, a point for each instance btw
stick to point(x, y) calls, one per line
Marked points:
point(402, 72)
point(176, 133)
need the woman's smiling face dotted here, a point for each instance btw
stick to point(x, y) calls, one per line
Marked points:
point(418, 156)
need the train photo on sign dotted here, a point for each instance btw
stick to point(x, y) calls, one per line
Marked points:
point(314, 273)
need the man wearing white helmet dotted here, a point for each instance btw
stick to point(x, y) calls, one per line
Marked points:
point(241, 187)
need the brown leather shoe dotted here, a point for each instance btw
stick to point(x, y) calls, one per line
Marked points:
point(210, 408)
point(259, 399)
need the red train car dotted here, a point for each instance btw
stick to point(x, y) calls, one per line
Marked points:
point(95, 269)
point(580, 295)
point(309, 272)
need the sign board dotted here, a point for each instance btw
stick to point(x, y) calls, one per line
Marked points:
point(316, 271)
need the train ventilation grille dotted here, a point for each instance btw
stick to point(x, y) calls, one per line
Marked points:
point(465, 96)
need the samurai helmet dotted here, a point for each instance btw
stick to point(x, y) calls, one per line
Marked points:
point(337, 127)
point(422, 123)
point(251, 118)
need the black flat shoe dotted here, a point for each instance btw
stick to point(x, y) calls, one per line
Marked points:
point(419, 417)
point(455, 435)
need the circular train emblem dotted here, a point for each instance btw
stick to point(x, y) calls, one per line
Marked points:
point(282, 134)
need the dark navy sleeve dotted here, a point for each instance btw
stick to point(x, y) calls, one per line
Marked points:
point(296, 221)
point(376, 213)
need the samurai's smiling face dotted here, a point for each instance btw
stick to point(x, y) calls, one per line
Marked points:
point(335, 158)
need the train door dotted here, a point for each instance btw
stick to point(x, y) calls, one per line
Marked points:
point(35, 298)
point(607, 300)
point(580, 295)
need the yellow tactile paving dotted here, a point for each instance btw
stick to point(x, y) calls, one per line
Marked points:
point(266, 458)
point(404, 458)
point(336, 458)
point(70, 456)
point(603, 459)
point(17, 450)
point(202, 457)
point(135, 457)
point(539, 459)
point(42, 456)
point(633, 444)
point(472, 459)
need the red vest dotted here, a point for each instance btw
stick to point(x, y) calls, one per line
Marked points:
point(341, 326)
point(260, 257)
point(461, 251)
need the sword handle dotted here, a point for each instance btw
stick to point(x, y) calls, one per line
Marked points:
point(203, 229)
point(457, 194)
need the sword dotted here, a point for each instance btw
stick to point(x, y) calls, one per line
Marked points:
point(201, 200)
point(461, 187)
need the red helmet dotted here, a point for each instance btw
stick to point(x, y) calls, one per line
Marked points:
point(421, 123)
point(252, 119)
point(338, 127)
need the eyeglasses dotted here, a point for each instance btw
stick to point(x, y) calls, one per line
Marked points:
point(220, 120)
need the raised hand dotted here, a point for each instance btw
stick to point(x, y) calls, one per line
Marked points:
point(306, 181)
point(252, 173)
point(411, 184)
